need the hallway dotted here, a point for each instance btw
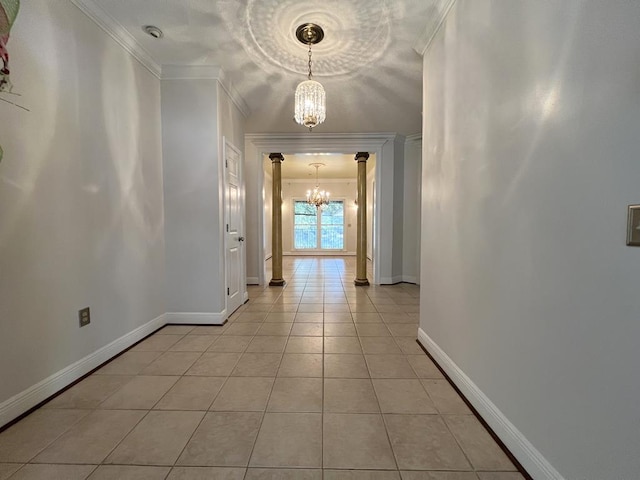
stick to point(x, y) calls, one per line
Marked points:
point(318, 379)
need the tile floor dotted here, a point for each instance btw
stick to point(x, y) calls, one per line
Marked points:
point(319, 379)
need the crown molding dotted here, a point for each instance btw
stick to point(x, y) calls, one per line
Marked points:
point(434, 24)
point(116, 31)
point(206, 72)
point(319, 142)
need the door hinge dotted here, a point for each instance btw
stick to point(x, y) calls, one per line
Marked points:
point(227, 290)
point(226, 164)
point(227, 227)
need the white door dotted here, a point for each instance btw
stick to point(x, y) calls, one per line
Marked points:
point(234, 239)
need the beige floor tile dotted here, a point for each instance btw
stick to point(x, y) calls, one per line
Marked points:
point(257, 365)
point(345, 366)
point(303, 395)
point(339, 330)
point(121, 472)
point(342, 345)
point(372, 330)
point(206, 473)
point(304, 345)
point(90, 392)
point(301, 365)
point(208, 329)
point(309, 317)
point(193, 343)
point(240, 329)
point(230, 344)
point(409, 346)
point(481, 449)
point(331, 317)
point(157, 343)
point(280, 317)
point(8, 469)
point(143, 392)
point(244, 394)
point(403, 330)
point(284, 308)
point(214, 364)
point(129, 363)
point(389, 366)
point(283, 474)
point(92, 438)
point(403, 396)
point(222, 439)
point(171, 363)
point(356, 441)
point(310, 308)
point(267, 344)
point(289, 440)
point(407, 475)
point(399, 317)
point(361, 317)
point(53, 472)
point(175, 330)
point(157, 440)
point(336, 308)
point(500, 476)
point(251, 317)
point(349, 395)
point(275, 329)
point(263, 305)
point(424, 367)
point(379, 345)
point(423, 442)
point(444, 397)
point(25, 439)
point(191, 393)
point(360, 475)
point(307, 329)
point(362, 307)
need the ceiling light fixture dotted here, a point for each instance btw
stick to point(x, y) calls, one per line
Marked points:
point(310, 108)
point(317, 197)
point(152, 30)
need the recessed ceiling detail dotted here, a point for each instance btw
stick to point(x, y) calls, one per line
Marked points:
point(357, 33)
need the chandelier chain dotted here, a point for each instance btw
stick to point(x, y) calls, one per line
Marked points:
point(310, 74)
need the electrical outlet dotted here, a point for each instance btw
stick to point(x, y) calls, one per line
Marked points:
point(84, 316)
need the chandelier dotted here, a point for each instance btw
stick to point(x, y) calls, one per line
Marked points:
point(318, 198)
point(310, 108)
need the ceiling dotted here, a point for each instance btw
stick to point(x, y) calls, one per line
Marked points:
point(371, 73)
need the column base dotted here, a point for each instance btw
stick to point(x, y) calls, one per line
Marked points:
point(277, 282)
point(361, 282)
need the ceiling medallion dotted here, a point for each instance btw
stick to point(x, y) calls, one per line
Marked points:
point(310, 101)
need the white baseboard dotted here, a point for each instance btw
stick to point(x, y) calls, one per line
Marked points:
point(253, 281)
point(391, 280)
point(196, 318)
point(529, 457)
point(32, 396)
point(409, 279)
point(302, 253)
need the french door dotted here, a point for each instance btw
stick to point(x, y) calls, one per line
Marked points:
point(318, 228)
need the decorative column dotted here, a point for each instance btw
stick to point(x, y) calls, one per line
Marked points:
point(276, 221)
point(361, 238)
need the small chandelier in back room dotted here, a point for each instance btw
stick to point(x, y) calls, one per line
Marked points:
point(310, 108)
point(318, 198)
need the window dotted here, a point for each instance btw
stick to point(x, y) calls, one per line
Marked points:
point(318, 229)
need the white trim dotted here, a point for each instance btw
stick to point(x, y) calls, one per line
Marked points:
point(120, 34)
point(196, 318)
point(529, 457)
point(433, 26)
point(416, 137)
point(410, 279)
point(251, 281)
point(391, 280)
point(32, 396)
point(324, 180)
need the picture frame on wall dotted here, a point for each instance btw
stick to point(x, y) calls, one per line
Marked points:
point(633, 226)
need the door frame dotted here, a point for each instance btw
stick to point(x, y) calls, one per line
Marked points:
point(226, 144)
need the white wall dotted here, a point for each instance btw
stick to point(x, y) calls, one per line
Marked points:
point(267, 201)
point(81, 216)
point(371, 196)
point(192, 196)
point(531, 115)
point(411, 209)
point(339, 190)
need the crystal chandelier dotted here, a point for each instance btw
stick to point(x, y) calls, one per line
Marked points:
point(317, 197)
point(310, 108)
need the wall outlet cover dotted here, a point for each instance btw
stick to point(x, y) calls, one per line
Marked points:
point(84, 316)
point(633, 226)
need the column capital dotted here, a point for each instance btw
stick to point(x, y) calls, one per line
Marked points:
point(276, 157)
point(362, 157)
